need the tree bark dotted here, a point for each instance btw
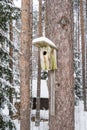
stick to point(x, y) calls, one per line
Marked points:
point(37, 123)
point(86, 59)
point(25, 69)
point(83, 53)
point(11, 64)
point(59, 29)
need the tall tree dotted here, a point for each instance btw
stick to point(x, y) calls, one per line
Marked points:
point(7, 12)
point(59, 30)
point(39, 67)
point(83, 52)
point(11, 63)
point(26, 35)
point(86, 57)
point(77, 52)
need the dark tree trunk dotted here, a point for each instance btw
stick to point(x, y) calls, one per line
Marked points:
point(11, 64)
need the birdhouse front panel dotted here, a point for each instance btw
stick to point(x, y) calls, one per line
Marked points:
point(44, 55)
point(48, 58)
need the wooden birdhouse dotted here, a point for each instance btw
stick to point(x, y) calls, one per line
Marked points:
point(48, 62)
point(47, 53)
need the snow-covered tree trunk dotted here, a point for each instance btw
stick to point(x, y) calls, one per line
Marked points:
point(83, 50)
point(59, 29)
point(26, 41)
point(11, 64)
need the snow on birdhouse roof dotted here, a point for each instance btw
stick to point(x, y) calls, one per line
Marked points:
point(43, 42)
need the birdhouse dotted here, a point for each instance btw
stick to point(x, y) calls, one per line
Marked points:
point(47, 53)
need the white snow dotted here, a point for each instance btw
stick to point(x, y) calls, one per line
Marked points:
point(43, 126)
point(80, 117)
point(35, 4)
point(17, 3)
point(5, 111)
point(16, 29)
point(44, 120)
point(17, 124)
point(47, 42)
point(44, 114)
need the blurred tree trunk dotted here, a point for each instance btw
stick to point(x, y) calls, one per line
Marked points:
point(83, 52)
point(11, 67)
point(37, 123)
point(11, 64)
point(25, 68)
point(59, 28)
point(86, 57)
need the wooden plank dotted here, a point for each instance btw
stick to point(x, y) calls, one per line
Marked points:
point(52, 98)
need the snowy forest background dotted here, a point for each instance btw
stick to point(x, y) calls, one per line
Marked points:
point(10, 40)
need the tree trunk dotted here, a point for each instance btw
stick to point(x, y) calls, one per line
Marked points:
point(59, 30)
point(37, 123)
point(83, 52)
point(86, 58)
point(26, 40)
point(11, 64)
point(11, 67)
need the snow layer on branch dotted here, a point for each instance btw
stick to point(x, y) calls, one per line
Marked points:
point(5, 82)
point(12, 106)
point(16, 29)
point(9, 3)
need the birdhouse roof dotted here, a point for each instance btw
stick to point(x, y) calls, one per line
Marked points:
point(43, 42)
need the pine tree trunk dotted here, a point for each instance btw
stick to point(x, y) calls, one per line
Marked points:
point(59, 29)
point(86, 59)
point(37, 123)
point(83, 52)
point(26, 40)
point(11, 64)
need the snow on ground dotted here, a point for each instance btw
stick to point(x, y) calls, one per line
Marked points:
point(44, 114)
point(44, 120)
point(80, 117)
point(43, 126)
point(17, 124)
